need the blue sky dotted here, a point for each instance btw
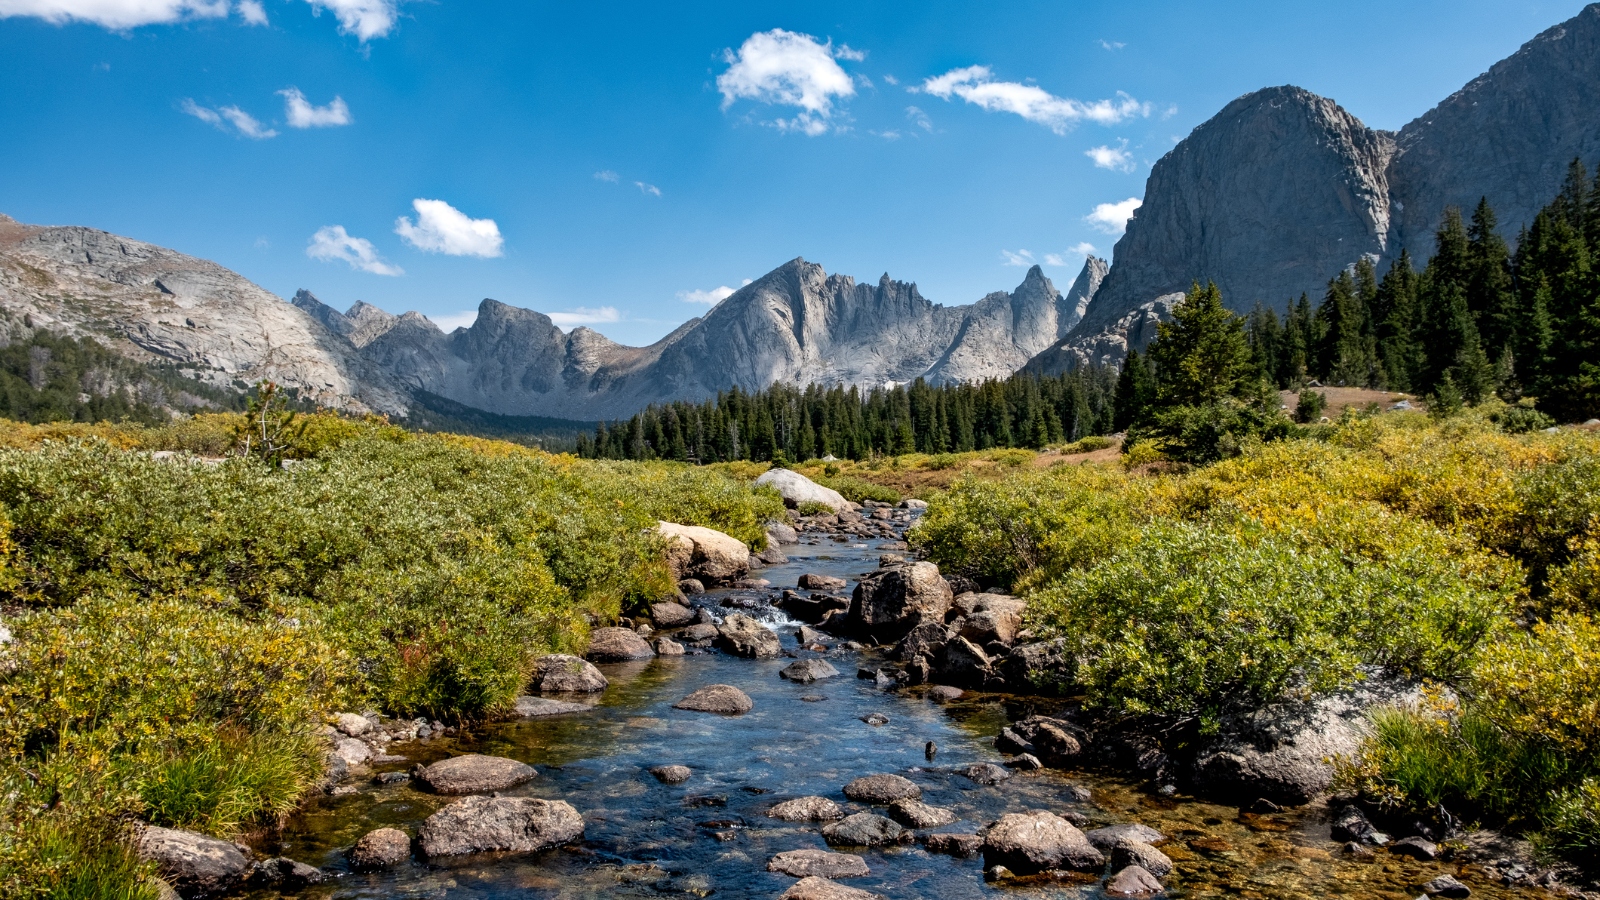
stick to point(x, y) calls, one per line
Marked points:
point(616, 163)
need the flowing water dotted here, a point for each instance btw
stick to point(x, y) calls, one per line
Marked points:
point(709, 836)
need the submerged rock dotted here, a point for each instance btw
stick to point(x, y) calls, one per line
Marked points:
point(724, 699)
point(380, 848)
point(539, 707)
point(806, 671)
point(1032, 842)
point(863, 830)
point(509, 824)
point(821, 863)
point(882, 789)
point(473, 773)
point(806, 809)
point(195, 864)
point(1133, 881)
point(815, 888)
point(672, 774)
point(1107, 838)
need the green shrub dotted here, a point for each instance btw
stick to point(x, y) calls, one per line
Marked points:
point(222, 785)
point(814, 508)
point(1521, 420)
point(860, 490)
point(1573, 824)
point(941, 461)
point(1308, 408)
point(1089, 444)
point(1206, 434)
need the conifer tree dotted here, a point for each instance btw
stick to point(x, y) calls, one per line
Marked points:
point(1200, 357)
point(1136, 391)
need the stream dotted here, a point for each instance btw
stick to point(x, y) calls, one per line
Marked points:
point(710, 836)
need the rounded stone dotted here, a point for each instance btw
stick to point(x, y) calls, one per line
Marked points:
point(381, 848)
point(473, 774)
point(724, 699)
point(882, 789)
point(672, 774)
point(617, 645)
point(806, 809)
point(813, 888)
point(863, 830)
point(916, 814)
point(821, 863)
point(561, 673)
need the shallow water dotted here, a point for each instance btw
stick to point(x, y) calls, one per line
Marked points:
point(709, 836)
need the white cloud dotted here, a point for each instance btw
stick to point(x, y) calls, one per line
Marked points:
point(650, 189)
point(1112, 218)
point(1072, 257)
point(115, 14)
point(891, 79)
point(441, 228)
point(1112, 45)
point(890, 135)
point(607, 175)
point(976, 85)
point(844, 51)
point(451, 321)
point(1019, 258)
point(332, 242)
point(788, 69)
point(252, 12)
point(920, 118)
point(366, 19)
point(1117, 159)
point(301, 114)
point(712, 297)
point(242, 121)
point(585, 316)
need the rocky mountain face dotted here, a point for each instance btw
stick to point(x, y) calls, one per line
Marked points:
point(153, 304)
point(1282, 189)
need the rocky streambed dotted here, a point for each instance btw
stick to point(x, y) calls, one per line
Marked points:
point(745, 753)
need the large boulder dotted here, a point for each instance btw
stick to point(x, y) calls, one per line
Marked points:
point(891, 601)
point(1032, 842)
point(1284, 752)
point(195, 864)
point(1036, 668)
point(724, 699)
point(560, 673)
point(670, 614)
point(704, 554)
point(507, 824)
point(743, 636)
point(797, 489)
point(473, 773)
point(617, 645)
point(962, 663)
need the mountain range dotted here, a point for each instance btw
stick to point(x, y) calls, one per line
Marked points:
point(1271, 197)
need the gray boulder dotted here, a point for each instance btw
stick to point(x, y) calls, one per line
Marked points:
point(821, 863)
point(882, 789)
point(724, 699)
point(1038, 841)
point(797, 489)
point(287, 874)
point(916, 814)
point(986, 773)
point(743, 636)
point(826, 583)
point(890, 602)
point(617, 645)
point(670, 614)
point(1447, 886)
point(806, 671)
point(782, 533)
point(506, 824)
point(704, 553)
point(813, 887)
point(560, 673)
point(672, 774)
point(1035, 668)
point(196, 865)
point(1106, 839)
point(1057, 742)
point(863, 830)
point(473, 773)
point(962, 845)
point(962, 663)
point(668, 647)
point(1129, 852)
point(806, 809)
point(1133, 881)
point(380, 849)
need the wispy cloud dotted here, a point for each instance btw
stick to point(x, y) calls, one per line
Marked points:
point(890, 79)
point(242, 122)
point(252, 12)
point(1117, 159)
point(784, 68)
point(845, 51)
point(1112, 218)
point(441, 228)
point(583, 315)
point(606, 175)
point(1072, 257)
point(115, 14)
point(332, 242)
point(649, 189)
point(976, 85)
point(1112, 45)
point(919, 118)
point(449, 322)
point(712, 297)
point(301, 114)
point(366, 19)
point(1019, 258)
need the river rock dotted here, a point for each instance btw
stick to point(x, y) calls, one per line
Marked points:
point(808, 636)
point(825, 583)
point(668, 647)
point(962, 845)
point(617, 645)
point(992, 626)
point(560, 673)
point(1447, 886)
point(797, 489)
point(806, 809)
point(1057, 742)
point(962, 663)
point(670, 614)
point(691, 586)
point(1133, 881)
point(508, 824)
point(1129, 852)
point(815, 888)
point(944, 693)
point(821, 863)
point(863, 830)
point(704, 553)
point(1351, 824)
point(986, 773)
point(782, 533)
point(700, 631)
point(473, 773)
point(806, 671)
point(916, 814)
point(1032, 842)
point(1416, 848)
point(882, 789)
point(890, 602)
point(1036, 668)
point(352, 752)
point(380, 848)
point(1285, 751)
point(772, 555)
point(352, 724)
point(743, 636)
point(195, 864)
point(1106, 839)
point(724, 699)
point(925, 641)
point(967, 604)
point(672, 774)
point(539, 707)
point(285, 873)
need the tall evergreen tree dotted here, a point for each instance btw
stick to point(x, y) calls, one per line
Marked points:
point(1200, 357)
